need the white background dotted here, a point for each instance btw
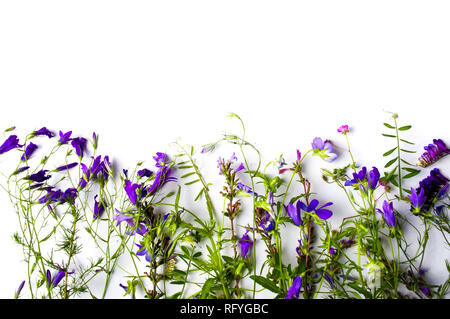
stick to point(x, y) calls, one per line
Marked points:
point(143, 73)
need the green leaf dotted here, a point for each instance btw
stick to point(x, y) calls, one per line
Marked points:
point(388, 125)
point(192, 182)
point(404, 128)
point(390, 151)
point(392, 161)
point(209, 283)
point(408, 142)
point(266, 283)
point(187, 175)
point(407, 151)
point(389, 135)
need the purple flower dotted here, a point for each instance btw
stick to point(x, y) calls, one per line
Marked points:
point(79, 144)
point(30, 149)
point(20, 170)
point(161, 159)
point(294, 289)
point(246, 189)
point(144, 173)
point(141, 229)
point(51, 196)
point(324, 149)
point(69, 196)
point(229, 165)
point(357, 177)
point(64, 138)
point(245, 243)
point(11, 142)
point(163, 175)
point(130, 189)
point(321, 212)
point(43, 131)
point(431, 186)
point(433, 152)
point(372, 179)
point(17, 294)
point(417, 199)
point(58, 277)
point(39, 177)
point(295, 212)
point(98, 169)
point(267, 222)
point(66, 167)
point(99, 208)
point(144, 252)
point(388, 213)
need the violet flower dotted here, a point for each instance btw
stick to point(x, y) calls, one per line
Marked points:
point(417, 200)
point(267, 223)
point(324, 149)
point(79, 144)
point(245, 243)
point(388, 213)
point(58, 277)
point(141, 229)
point(163, 175)
point(11, 142)
point(43, 132)
point(66, 167)
point(99, 208)
point(64, 138)
point(321, 212)
point(51, 196)
point(39, 177)
point(373, 177)
point(294, 289)
point(19, 290)
point(295, 212)
point(130, 189)
point(431, 185)
point(144, 252)
point(144, 173)
point(433, 152)
point(69, 196)
point(229, 165)
point(357, 177)
point(20, 170)
point(246, 189)
point(30, 149)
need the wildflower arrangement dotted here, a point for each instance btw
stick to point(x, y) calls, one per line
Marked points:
point(167, 230)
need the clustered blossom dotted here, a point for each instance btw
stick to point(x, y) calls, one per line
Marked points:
point(324, 149)
point(430, 188)
point(282, 170)
point(229, 165)
point(433, 152)
point(99, 169)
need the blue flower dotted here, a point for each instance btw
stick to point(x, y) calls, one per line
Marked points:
point(39, 177)
point(130, 189)
point(99, 208)
point(372, 179)
point(417, 200)
point(144, 252)
point(66, 167)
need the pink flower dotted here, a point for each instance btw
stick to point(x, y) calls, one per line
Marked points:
point(343, 129)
